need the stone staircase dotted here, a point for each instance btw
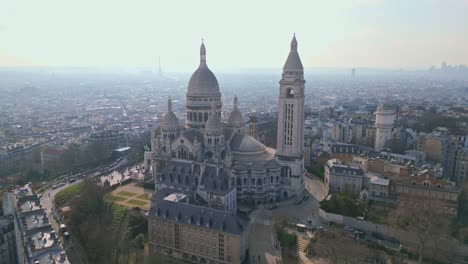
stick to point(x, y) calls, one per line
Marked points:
point(302, 243)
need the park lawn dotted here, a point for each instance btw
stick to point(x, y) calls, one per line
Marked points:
point(143, 197)
point(137, 202)
point(117, 198)
point(128, 194)
point(66, 194)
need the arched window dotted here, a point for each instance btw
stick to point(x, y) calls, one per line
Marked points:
point(182, 152)
point(206, 117)
point(285, 172)
point(290, 93)
point(200, 117)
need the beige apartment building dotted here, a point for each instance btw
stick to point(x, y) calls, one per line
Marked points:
point(196, 234)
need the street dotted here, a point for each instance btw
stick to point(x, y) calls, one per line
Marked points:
point(264, 246)
point(306, 212)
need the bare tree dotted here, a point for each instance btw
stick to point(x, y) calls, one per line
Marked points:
point(339, 246)
point(425, 221)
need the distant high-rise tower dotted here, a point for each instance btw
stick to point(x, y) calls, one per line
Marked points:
point(159, 67)
point(384, 121)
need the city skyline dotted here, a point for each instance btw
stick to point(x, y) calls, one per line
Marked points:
point(348, 34)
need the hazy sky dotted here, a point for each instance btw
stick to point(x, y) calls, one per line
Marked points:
point(237, 33)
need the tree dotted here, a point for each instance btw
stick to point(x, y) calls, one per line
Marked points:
point(424, 221)
point(339, 247)
point(346, 203)
point(107, 232)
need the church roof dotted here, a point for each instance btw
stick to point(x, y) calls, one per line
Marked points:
point(235, 117)
point(257, 166)
point(293, 62)
point(246, 143)
point(203, 81)
point(179, 173)
point(169, 120)
point(214, 122)
point(273, 164)
point(214, 181)
point(192, 133)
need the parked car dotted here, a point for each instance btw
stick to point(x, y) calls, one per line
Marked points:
point(72, 180)
point(63, 227)
point(66, 235)
point(55, 186)
point(306, 197)
point(348, 228)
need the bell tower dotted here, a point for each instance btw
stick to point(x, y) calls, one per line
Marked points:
point(290, 141)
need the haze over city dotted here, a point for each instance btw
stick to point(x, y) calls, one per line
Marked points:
point(239, 34)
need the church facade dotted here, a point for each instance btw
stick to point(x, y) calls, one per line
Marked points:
point(220, 164)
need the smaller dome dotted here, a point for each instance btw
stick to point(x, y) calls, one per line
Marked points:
point(236, 119)
point(214, 122)
point(169, 120)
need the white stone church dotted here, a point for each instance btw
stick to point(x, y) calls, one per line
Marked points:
point(217, 162)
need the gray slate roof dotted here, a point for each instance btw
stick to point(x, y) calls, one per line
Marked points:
point(199, 216)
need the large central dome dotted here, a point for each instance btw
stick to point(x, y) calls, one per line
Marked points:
point(202, 92)
point(203, 81)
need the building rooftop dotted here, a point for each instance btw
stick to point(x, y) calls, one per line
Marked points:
point(379, 180)
point(42, 239)
point(29, 206)
point(52, 256)
point(35, 220)
point(175, 197)
point(337, 166)
point(191, 214)
point(26, 190)
point(41, 244)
